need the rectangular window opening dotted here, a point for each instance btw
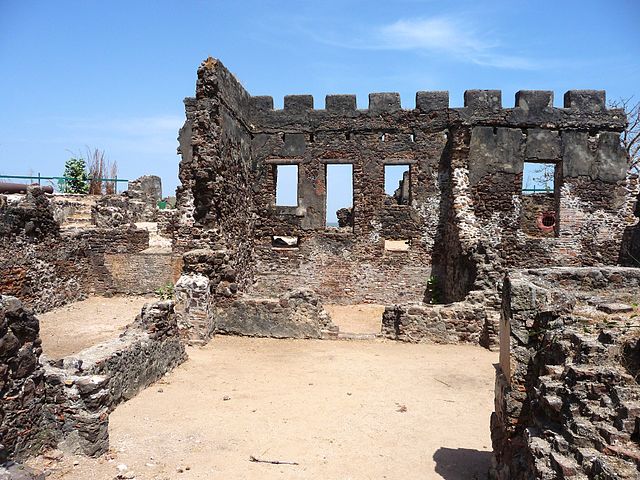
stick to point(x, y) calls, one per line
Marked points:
point(538, 178)
point(396, 245)
point(540, 201)
point(397, 184)
point(283, 241)
point(339, 199)
point(286, 182)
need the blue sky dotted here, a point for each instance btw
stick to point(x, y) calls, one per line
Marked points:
point(112, 74)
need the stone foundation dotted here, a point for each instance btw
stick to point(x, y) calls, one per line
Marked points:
point(296, 314)
point(457, 323)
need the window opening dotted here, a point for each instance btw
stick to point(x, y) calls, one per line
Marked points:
point(282, 241)
point(397, 184)
point(539, 207)
point(286, 180)
point(538, 178)
point(339, 199)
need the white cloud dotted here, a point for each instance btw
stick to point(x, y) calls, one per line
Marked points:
point(456, 39)
point(440, 34)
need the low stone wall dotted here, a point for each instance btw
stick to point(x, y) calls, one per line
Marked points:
point(84, 388)
point(141, 273)
point(587, 282)
point(455, 323)
point(22, 400)
point(567, 398)
point(296, 314)
point(66, 403)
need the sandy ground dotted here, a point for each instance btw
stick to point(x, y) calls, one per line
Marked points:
point(340, 409)
point(362, 318)
point(69, 329)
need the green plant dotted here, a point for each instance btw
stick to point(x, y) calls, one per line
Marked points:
point(75, 173)
point(433, 290)
point(166, 292)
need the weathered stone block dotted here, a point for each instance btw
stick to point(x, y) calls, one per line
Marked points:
point(483, 99)
point(432, 100)
point(585, 100)
point(298, 103)
point(534, 100)
point(340, 103)
point(384, 102)
point(264, 103)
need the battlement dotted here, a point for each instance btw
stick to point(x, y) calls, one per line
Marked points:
point(426, 101)
point(582, 109)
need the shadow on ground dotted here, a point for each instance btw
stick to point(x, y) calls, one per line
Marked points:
point(462, 463)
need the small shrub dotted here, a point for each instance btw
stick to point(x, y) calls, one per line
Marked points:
point(75, 172)
point(166, 292)
point(433, 290)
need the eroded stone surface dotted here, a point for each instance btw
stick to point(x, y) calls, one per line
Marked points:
point(567, 396)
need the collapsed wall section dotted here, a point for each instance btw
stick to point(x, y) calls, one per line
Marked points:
point(566, 402)
point(66, 403)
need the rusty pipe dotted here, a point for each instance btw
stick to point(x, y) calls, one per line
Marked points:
point(22, 188)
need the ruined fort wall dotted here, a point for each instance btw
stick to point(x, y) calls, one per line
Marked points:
point(485, 215)
point(215, 200)
point(47, 267)
point(465, 219)
point(339, 264)
point(566, 386)
point(592, 201)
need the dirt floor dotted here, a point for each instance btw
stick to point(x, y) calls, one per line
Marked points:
point(72, 328)
point(339, 409)
point(357, 318)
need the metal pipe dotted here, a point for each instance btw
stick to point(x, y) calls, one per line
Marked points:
point(21, 188)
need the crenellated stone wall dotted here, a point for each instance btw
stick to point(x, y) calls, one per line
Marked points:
point(459, 211)
point(462, 211)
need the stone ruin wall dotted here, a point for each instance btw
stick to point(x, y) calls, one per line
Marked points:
point(47, 266)
point(464, 218)
point(65, 403)
point(567, 393)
